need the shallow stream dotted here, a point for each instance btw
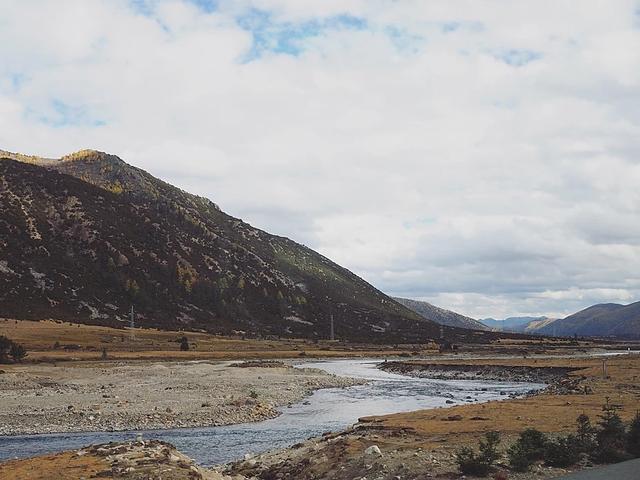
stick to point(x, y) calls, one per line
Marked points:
point(328, 409)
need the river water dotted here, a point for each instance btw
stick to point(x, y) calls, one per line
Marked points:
point(327, 409)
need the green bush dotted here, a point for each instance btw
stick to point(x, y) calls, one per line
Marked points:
point(527, 449)
point(480, 464)
point(562, 452)
point(585, 435)
point(611, 436)
point(519, 460)
point(9, 348)
point(633, 436)
point(469, 462)
point(534, 442)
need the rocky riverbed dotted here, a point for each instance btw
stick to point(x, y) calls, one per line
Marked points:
point(556, 377)
point(114, 396)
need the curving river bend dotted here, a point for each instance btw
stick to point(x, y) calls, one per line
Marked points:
point(328, 409)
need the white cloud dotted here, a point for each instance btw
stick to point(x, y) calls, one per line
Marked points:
point(482, 155)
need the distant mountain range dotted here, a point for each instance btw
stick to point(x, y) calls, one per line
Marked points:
point(518, 324)
point(87, 236)
point(603, 320)
point(440, 315)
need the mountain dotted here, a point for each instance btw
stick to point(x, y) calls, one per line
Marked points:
point(86, 236)
point(534, 326)
point(440, 315)
point(514, 324)
point(602, 320)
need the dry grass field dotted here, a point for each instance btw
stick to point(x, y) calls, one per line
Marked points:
point(546, 412)
point(86, 342)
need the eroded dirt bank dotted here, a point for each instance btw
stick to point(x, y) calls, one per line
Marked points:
point(149, 395)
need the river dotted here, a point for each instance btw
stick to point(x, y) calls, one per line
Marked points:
point(327, 409)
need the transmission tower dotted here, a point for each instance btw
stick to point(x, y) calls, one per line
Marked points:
point(332, 330)
point(132, 324)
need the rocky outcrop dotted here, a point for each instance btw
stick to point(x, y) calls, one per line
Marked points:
point(139, 460)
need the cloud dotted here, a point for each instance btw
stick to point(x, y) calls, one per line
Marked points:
point(482, 156)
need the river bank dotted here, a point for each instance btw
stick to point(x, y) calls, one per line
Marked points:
point(422, 443)
point(557, 378)
point(117, 396)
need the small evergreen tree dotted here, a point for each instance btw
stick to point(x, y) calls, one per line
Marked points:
point(11, 349)
point(519, 459)
point(633, 436)
point(585, 434)
point(17, 352)
point(534, 442)
point(611, 435)
point(527, 449)
point(470, 463)
point(5, 347)
point(489, 448)
point(184, 344)
point(562, 452)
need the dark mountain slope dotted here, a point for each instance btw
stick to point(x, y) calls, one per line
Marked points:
point(606, 319)
point(440, 315)
point(86, 248)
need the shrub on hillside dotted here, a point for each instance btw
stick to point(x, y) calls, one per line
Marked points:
point(527, 449)
point(480, 464)
point(519, 460)
point(611, 436)
point(11, 349)
point(534, 442)
point(633, 436)
point(562, 452)
point(585, 435)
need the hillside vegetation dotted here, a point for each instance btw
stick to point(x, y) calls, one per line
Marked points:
point(87, 236)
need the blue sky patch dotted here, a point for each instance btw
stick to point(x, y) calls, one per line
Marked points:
point(517, 58)
point(207, 6)
point(404, 40)
point(61, 114)
point(270, 35)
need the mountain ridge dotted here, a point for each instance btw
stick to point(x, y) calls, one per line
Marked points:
point(600, 320)
point(441, 315)
point(185, 256)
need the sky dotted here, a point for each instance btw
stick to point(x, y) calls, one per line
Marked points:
point(480, 155)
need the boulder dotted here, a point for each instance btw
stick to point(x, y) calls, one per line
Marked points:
point(373, 451)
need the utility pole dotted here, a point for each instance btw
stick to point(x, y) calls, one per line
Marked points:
point(604, 368)
point(332, 330)
point(132, 324)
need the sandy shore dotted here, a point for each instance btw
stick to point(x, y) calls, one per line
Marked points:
point(111, 396)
